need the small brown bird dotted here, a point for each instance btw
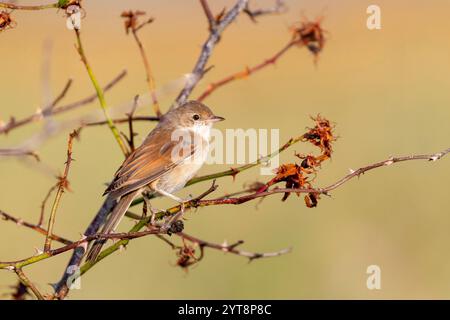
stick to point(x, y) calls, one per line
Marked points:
point(169, 157)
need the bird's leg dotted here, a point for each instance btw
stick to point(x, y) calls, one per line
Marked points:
point(153, 211)
point(173, 225)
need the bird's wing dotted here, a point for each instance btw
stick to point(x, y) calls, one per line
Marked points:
point(148, 162)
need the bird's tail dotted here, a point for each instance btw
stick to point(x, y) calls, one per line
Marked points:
point(116, 215)
point(79, 252)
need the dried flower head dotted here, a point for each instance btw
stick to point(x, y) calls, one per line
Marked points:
point(131, 21)
point(309, 34)
point(294, 176)
point(186, 256)
point(321, 135)
point(6, 22)
point(300, 176)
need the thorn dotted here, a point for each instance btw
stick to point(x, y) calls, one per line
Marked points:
point(83, 245)
point(389, 161)
point(436, 157)
point(234, 174)
point(351, 171)
point(37, 251)
point(225, 246)
point(39, 113)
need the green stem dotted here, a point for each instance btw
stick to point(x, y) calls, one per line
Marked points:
point(51, 220)
point(100, 94)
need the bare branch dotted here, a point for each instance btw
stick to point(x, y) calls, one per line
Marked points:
point(14, 124)
point(20, 222)
point(61, 96)
point(207, 49)
point(209, 14)
point(18, 152)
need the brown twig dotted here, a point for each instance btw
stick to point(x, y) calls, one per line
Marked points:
point(131, 24)
point(14, 124)
point(306, 33)
point(247, 72)
point(63, 184)
point(231, 248)
point(132, 134)
point(209, 14)
point(38, 228)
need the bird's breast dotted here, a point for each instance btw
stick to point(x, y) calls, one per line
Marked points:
point(176, 178)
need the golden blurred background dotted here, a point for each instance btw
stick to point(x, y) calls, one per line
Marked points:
point(387, 91)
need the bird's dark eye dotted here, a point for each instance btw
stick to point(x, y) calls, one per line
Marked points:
point(195, 117)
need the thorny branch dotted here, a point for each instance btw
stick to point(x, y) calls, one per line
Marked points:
point(308, 34)
point(225, 247)
point(63, 184)
point(244, 74)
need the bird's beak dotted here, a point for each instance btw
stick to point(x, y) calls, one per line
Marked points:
point(216, 119)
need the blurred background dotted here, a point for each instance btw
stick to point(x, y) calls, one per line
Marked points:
point(386, 90)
